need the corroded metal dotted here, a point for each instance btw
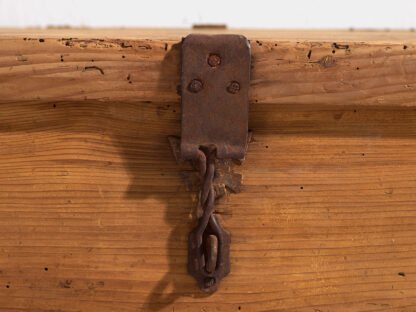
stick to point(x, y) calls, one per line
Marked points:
point(214, 89)
point(224, 179)
point(215, 82)
point(200, 248)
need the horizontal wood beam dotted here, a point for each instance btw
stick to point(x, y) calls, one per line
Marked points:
point(292, 67)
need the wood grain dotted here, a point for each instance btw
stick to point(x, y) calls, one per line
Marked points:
point(94, 215)
point(293, 35)
point(289, 67)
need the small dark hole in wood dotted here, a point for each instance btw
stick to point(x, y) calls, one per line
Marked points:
point(301, 187)
point(7, 286)
point(45, 269)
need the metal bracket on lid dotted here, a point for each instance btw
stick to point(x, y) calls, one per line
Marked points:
point(215, 83)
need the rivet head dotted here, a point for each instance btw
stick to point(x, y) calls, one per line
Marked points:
point(195, 85)
point(233, 87)
point(214, 60)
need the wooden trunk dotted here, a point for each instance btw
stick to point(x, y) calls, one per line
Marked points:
point(94, 213)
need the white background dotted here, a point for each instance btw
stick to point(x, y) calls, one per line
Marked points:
point(392, 14)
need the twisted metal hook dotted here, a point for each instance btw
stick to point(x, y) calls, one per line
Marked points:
point(209, 243)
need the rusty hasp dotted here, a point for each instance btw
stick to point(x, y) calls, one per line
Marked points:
point(215, 82)
point(214, 89)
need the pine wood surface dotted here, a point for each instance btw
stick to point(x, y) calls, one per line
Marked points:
point(326, 35)
point(289, 67)
point(94, 214)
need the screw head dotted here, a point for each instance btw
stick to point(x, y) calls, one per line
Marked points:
point(233, 87)
point(214, 60)
point(195, 85)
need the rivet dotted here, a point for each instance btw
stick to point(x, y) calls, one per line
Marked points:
point(214, 60)
point(195, 85)
point(233, 87)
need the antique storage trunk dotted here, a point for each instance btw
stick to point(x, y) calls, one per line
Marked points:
point(95, 210)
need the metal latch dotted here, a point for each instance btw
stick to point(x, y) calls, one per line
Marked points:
point(215, 83)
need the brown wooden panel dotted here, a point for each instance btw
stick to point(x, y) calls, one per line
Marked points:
point(294, 35)
point(89, 191)
point(289, 67)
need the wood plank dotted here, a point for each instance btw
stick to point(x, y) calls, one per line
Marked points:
point(289, 67)
point(294, 35)
point(94, 215)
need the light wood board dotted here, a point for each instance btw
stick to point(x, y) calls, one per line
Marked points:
point(94, 215)
point(289, 67)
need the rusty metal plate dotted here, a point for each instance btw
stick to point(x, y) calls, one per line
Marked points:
point(215, 84)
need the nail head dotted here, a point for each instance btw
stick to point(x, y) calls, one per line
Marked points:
point(214, 60)
point(233, 87)
point(195, 85)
